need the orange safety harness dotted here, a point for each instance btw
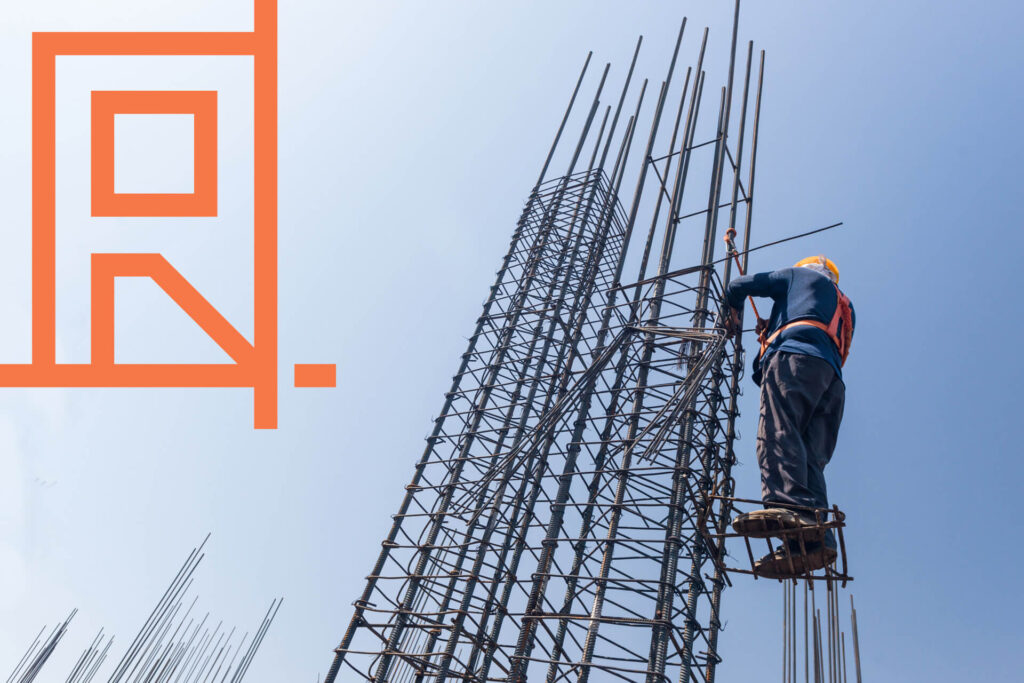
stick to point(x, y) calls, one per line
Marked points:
point(839, 329)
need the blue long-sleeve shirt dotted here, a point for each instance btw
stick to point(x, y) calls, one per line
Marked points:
point(797, 294)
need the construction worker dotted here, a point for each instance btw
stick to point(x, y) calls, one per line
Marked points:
point(804, 344)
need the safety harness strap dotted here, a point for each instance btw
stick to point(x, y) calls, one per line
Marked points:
point(842, 316)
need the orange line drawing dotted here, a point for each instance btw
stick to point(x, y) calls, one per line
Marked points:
point(256, 362)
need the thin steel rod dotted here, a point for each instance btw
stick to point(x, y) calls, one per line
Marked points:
point(561, 126)
point(712, 222)
point(28, 654)
point(682, 169)
point(186, 570)
point(622, 99)
point(739, 159)
point(807, 670)
point(691, 269)
point(753, 165)
point(785, 632)
point(845, 678)
point(856, 639)
point(651, 138)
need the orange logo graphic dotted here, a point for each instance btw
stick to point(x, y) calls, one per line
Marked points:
point(255, 363)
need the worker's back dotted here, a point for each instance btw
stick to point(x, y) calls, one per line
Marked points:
point(798, 294)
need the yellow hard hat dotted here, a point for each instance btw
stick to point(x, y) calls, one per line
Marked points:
point(819, 260)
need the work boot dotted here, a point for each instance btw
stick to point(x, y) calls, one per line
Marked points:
point(794, 563)
point(767, 522)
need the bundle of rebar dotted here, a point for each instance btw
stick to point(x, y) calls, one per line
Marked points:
point(38, 653)
point(91, 659)
point(172, 646)
point(823, 646)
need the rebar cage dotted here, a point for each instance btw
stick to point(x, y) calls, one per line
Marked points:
point(537, 536)
point(561, 522)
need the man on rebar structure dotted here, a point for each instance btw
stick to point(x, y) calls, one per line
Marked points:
point(804, 345)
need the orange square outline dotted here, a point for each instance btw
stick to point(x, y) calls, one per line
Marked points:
point(202, 104)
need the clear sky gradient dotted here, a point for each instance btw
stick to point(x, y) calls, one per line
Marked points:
point(410, 135)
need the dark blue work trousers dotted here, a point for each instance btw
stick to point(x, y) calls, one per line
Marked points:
point(801, 407)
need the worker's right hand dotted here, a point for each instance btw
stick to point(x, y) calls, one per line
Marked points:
point(761, 326)
point(731, 323)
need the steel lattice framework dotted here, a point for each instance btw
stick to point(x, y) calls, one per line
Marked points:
point(561, 523)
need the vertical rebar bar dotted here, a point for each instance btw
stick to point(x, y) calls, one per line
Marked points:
point(785, 632)
point(807, 674)
point(856, 640)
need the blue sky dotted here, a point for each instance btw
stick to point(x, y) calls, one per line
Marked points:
point(410, 135)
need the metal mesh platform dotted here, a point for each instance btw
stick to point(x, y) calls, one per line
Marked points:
point(793, 542)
